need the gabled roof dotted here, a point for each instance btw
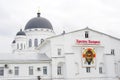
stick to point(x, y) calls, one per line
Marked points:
point(87, 28)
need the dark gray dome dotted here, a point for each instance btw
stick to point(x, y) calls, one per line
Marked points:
point(21, 33)
point(38, 22)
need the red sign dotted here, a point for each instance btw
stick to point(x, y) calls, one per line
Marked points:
point(93, 42)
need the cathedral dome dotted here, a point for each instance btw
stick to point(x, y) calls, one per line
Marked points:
point(21, 33)
point(38, 22)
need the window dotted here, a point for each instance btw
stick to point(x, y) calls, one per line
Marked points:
point(88, 69)
point(17, 46)
point(100, 70)
point(16, 70)
point(1, 71)
point(59, 70)
point(36, 42)
point(45, 70)
point(76, 68)
point(59, 51)
point(21, 46)
point(86, 34)
point(112, 51)
point(30, 70)
point(116, 68)
point(24, 46)
point(30, 43)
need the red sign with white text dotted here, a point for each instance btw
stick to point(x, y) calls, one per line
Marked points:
point(92, 42)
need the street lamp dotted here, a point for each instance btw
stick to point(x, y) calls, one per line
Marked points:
point(39, 78)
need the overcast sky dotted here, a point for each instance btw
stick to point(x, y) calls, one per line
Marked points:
point(68, 15)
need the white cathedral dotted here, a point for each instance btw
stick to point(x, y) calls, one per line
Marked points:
point(39, 54)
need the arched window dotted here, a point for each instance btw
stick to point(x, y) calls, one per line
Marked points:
point(17, 46)
point(36, 42)
point(60, 68)
point(101, 68)
point(86, 34)
point(21, 46)
point(24, 46)
point(30, 43)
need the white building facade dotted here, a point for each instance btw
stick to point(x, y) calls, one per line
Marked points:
point(39, 54)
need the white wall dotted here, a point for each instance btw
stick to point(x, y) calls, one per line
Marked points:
point(68, 45)
point(24, 70)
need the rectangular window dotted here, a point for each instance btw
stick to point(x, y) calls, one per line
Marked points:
point(59, 70)
point(16, 70)
point(1, 71)
point(59, 51)
point(86, 34)
point(30, 70)
point(45, 70)
point(112, 51)
point(100, 70)
point(88, 69)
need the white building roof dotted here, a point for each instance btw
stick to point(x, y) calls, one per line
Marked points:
point(24, 57)
point(87, 28)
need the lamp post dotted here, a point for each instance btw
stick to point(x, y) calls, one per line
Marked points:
point(39, 78)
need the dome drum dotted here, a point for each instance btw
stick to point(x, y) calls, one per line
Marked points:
point(39, 29)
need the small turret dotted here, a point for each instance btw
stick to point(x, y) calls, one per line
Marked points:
point(20, 41)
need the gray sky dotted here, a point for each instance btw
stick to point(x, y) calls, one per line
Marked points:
point(68, 15)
